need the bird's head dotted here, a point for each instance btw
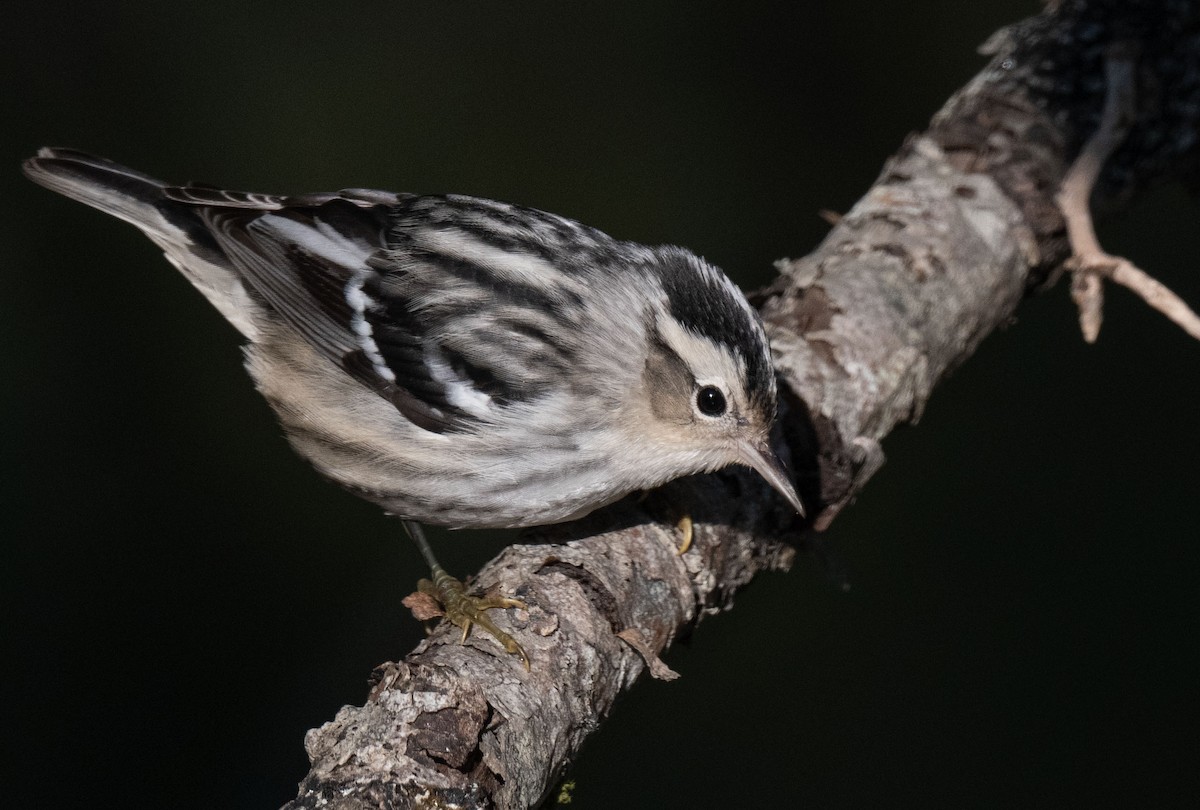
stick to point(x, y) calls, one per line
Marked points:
point(708, 375)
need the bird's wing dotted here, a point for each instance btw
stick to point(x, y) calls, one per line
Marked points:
point(451, 307)
point(313, 260)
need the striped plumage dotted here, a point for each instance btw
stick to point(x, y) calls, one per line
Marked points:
point(461, 361)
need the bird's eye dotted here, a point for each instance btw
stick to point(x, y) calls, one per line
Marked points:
point(710, 401)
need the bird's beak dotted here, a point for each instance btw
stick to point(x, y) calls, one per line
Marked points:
point(759, 457)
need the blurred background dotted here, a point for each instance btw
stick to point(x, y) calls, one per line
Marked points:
point(182, 597)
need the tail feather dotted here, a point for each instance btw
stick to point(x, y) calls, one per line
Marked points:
point(144, 202)
point(114, 189)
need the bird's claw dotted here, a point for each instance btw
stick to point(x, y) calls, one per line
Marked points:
point(687, 529)
point(465, 611)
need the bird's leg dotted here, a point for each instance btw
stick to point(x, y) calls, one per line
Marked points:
point(461, 609)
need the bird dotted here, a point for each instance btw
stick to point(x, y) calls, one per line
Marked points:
point(461, 361)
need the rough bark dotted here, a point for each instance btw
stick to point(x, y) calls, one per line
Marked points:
point(960, 226)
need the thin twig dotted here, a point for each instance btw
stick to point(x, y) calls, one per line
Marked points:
point(1089, 263)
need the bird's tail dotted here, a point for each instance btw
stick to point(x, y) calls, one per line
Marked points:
point(147, 203)
point(114, 189)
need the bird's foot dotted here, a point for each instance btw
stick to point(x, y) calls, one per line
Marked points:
point(465, 611)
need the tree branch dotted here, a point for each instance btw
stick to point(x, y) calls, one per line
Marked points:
point(960, 225)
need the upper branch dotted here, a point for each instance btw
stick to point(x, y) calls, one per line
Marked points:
point(940, 251)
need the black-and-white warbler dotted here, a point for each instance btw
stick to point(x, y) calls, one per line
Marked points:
point(460, 361)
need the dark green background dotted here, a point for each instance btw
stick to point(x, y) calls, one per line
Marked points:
point(182, 598)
